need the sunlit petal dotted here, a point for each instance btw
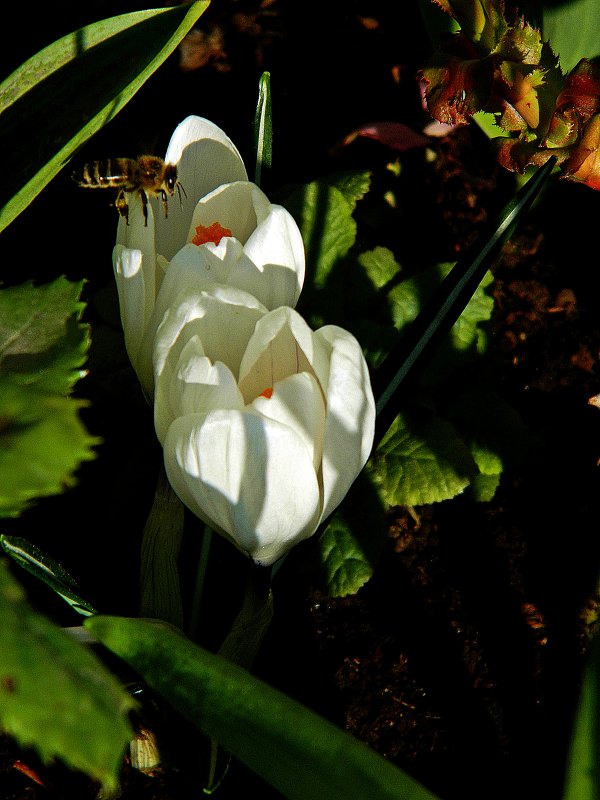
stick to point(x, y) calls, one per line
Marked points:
point(282, 345)
point(192, 384)
point(298, 403)
point(350, 424)
point(250, 478)
point(206, 158)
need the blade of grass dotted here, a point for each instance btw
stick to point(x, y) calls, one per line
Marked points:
point(60, 97)
point(292, 748)
point(447, 303)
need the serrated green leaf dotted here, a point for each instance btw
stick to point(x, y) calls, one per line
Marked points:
point(42, 342)
point(483, 487)
point(346, 565)
point(42, 442)
point(46, 569)
point(467, 337)
point(55, 695)
point(299, 753)
point(353, 185)
point(421, 460)
point(60, 97)
point(380, 265)
point(328, 229)
point(492, 429)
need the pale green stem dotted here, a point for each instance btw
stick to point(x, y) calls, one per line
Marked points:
point(241, 646)
point(160, 592)
point(194, 623)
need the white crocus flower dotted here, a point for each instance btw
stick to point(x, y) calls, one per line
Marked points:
point(222, 228)
point(265, 424)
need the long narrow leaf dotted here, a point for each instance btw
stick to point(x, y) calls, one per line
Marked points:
point(47, 570)
point(448, 302)
point(583, 761)
point(60, 97)
point(263, 128)
point(292, 748)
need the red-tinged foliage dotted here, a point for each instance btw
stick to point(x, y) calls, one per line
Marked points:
point(517, 79)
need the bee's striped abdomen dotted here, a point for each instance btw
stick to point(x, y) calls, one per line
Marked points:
point(118, 173)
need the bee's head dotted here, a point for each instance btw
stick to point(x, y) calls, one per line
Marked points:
point(170, 181)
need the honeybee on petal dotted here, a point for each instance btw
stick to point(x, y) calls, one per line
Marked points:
point(148, 175)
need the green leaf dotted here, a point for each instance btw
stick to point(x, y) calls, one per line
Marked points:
point(583, 766)
point(494, 432)
point(46, 569)
point(353, 185)
point(60, 97)
point(42, 342)
point(380, 265)
point(466, 339)
point(293, 749)
point(42, 442)
point(421, 460)
point(347, 567)
point(483, 486)
point(324, 217)
point(55, 695)
point(573, 30)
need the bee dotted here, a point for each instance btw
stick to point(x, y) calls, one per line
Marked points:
point(148, 175)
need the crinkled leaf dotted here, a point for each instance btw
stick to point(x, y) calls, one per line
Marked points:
point(483, 486)
point(351, 544)
point(324, 217)
point(467, 336)
point(42, 342)
point(346, 565)
point(456, 88)
point(42, 442)
point(421, 460)
point(522, 42)
point(481, 21)
point(55, 695)
point(46, 569)
point(380, 266)
point(60, 97)
point(353, 185)
point(299, 753)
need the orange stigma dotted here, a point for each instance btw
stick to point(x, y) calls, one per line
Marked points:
point(211, 233)
point(268, 393)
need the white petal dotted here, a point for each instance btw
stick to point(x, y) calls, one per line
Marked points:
point(276, 247)
point(139, 234)
point(249, 478)
point(223, 319)
point(232, 206)
point(206, 158)
point(135, 287)
point(192, 384)
point(350, 423)
point(282, 345)
point(298, 403)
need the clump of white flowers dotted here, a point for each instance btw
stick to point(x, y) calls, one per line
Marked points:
point(264, 423)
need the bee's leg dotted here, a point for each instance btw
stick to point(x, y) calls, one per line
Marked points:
point(164, 199)
point(144, 197)
point(180, 189)
point(122, 205)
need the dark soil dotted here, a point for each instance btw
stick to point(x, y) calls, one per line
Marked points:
point(460, 660)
